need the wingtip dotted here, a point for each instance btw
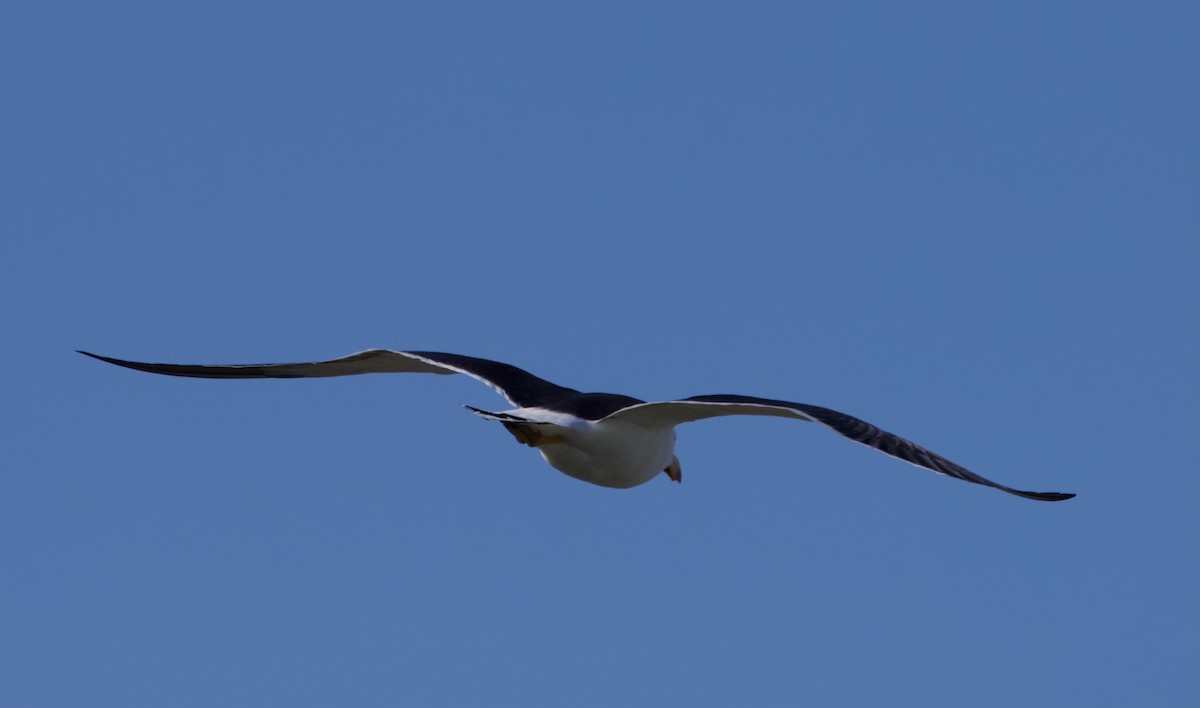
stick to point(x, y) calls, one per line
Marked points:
point(1047, 496)
point(98, 357)
point(135, 365)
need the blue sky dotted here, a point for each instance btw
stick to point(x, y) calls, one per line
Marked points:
point(973, 224)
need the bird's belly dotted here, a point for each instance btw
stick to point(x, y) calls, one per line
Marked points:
point(612, 453)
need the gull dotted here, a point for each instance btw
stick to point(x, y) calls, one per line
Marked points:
point(607, 439)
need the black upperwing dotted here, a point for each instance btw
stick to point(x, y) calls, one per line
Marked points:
point(517, 385)
point(660, 413)
point(863, 432)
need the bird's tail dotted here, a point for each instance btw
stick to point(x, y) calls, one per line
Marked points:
point(502, 417)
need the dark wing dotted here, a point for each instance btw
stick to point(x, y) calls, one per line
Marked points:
point(698, 407)
point(520, 387)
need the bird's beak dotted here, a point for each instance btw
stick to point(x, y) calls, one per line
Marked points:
point(674, 471)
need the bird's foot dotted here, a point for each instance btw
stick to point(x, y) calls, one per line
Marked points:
point(674, 471)
point(529, 434)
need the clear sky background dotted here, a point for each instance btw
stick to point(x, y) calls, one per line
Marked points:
point(974, 224)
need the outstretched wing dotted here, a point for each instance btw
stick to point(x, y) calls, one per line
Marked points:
point(698, 407)
point(520, 387)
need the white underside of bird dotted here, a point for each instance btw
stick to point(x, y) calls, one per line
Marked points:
point(610, 452)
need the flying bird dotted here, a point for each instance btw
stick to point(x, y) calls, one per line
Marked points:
point(604, 438)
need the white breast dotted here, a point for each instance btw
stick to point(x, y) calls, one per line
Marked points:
point(610, 453)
